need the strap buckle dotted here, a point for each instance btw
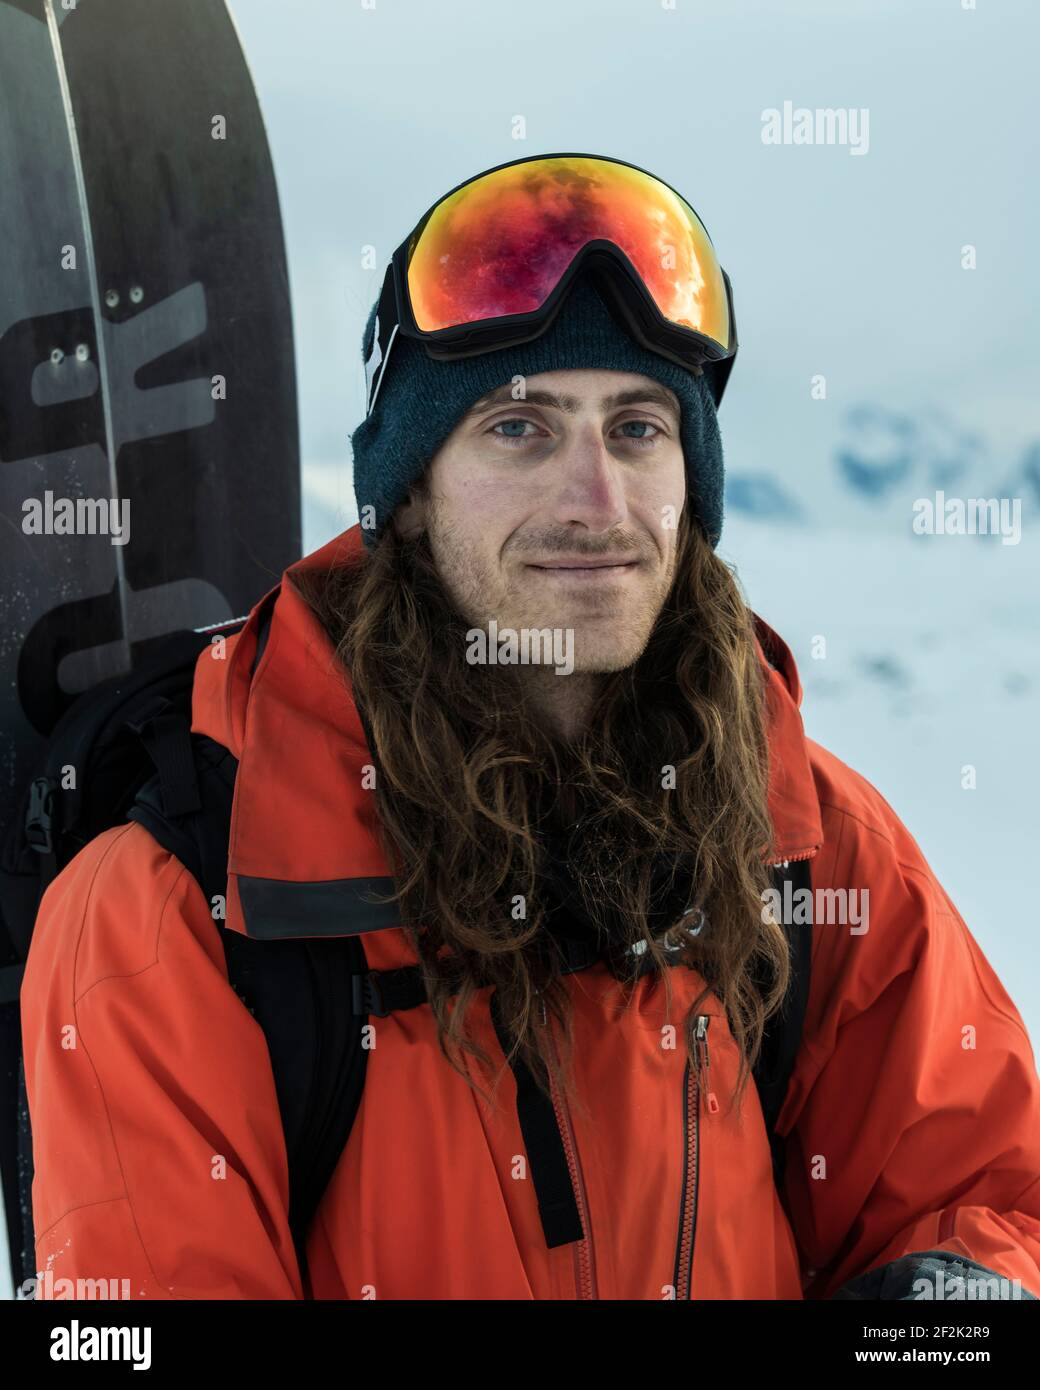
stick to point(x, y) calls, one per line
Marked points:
point(39, 818)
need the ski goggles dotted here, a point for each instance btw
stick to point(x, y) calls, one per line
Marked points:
point(490, 264)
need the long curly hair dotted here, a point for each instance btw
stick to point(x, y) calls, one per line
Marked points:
point(672, 768)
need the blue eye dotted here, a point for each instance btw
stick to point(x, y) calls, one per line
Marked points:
point(512, 422)
point(641, 438)
point(512, 431)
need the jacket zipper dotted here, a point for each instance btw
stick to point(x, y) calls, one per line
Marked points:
point(584, 1255)
point(795, 858)
point(694, 1083)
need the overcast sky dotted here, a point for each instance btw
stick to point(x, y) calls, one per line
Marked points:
point(843, 264)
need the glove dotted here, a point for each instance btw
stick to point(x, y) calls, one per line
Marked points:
point(932, 1274)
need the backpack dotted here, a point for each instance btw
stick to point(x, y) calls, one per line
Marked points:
point(129, 740)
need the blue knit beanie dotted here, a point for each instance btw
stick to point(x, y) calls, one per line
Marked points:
point(420, 402)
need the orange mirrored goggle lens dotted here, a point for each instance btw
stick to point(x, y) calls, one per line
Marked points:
point(500, 244)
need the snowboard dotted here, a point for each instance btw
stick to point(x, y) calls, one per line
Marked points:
point(149, 448)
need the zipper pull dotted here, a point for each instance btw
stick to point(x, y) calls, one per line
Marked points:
point(704, 1061)
point(543, 1016)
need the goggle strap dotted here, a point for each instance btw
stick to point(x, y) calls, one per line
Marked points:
point(386, 326)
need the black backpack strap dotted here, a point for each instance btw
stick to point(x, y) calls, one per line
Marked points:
point(167, 739)
point(198, 838)
point(783, 1032)
point(299, 991)
point(550, 1172)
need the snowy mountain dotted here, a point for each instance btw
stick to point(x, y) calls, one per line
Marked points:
point(881, 463)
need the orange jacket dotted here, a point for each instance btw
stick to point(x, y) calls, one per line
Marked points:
point(913, 1114)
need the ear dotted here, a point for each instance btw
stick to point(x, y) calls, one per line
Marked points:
point(409, 518)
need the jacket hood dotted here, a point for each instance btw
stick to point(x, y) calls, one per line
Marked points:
point(304, 855)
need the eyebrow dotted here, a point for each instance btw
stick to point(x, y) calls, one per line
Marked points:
point(503, 395)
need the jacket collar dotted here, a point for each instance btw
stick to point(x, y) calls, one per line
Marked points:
point(304, 854)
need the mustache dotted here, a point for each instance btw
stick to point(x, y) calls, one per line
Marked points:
point(615, 546)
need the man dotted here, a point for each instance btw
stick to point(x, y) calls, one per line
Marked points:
point(530, 1130)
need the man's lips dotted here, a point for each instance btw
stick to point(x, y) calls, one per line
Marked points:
point(593, 572)
point(586, 564)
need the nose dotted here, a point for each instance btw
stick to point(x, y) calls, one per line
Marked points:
point(590, 487)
